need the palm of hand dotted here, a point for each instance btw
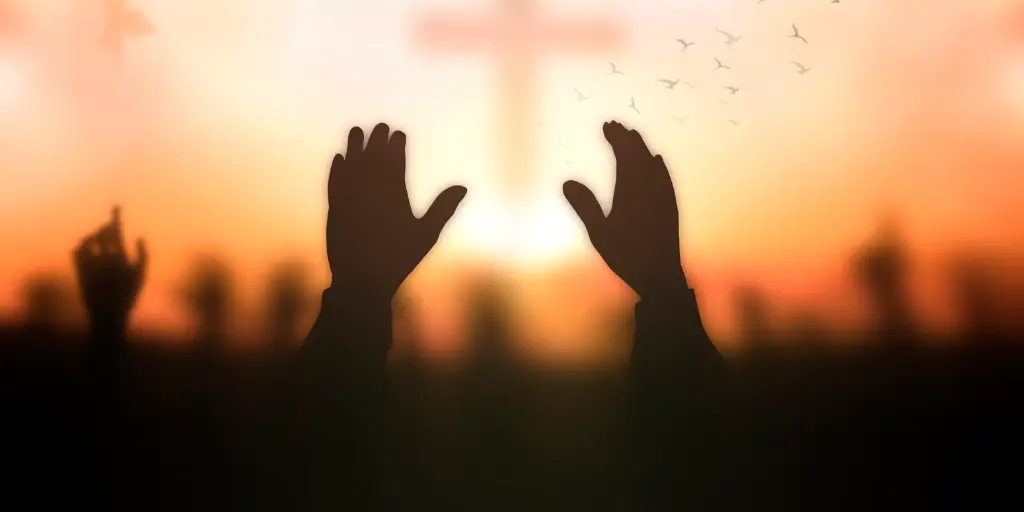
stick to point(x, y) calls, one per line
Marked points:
point(639, 239)
point(374, 241)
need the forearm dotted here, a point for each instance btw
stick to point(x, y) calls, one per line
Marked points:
point(348, 344)
point(671, 343)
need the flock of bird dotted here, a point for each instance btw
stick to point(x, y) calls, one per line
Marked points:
point(730, 40)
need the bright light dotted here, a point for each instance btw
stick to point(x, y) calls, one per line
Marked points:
point(12, 82)
point(545, 232)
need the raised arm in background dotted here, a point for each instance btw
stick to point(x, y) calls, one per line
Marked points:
point(374, 241)
point(109, 284)
point(676, 373)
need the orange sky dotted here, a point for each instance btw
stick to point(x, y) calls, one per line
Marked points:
point(216, 132)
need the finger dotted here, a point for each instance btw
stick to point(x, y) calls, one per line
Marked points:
point(586, 206)
point(336, 178)
point(618, 137)
point(440, 212)
point(396, 167)
point(355, 144)
point(113, 239)
point(378, 139)
point(141, 256)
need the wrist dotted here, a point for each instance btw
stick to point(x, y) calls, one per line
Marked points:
point(667, 290)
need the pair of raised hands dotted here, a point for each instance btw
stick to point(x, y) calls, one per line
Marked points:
point(374, 241)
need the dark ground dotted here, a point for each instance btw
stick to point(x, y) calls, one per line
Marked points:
point(809, 429)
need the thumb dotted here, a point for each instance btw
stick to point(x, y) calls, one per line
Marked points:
point(141, 257)
point(440, 212)
point(586, 206)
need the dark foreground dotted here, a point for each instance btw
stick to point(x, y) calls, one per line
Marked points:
point(808, 429)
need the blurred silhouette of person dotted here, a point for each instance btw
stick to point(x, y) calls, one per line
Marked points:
point(46, 304)
point(882, 267)
point(974, 298)
point(374, 241)
point(208, 298)
point(489, 377)
point(809, 328)
point(752, 318)
point(286, 301)
point(676, 372)
point(109, 284)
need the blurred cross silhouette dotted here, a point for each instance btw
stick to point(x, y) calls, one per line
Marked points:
point(123, 21)
point(519, 38)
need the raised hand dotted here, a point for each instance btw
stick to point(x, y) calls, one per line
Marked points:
point(639, 239)
point(374, 241)
point(108, 281)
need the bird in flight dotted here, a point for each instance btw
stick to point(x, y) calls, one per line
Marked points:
point(720, 65)
point(732, 89)
point(689, 84)
point(579, 95)
point(686, 44)
point(796, 34)
point(123, 21)
point(632, 105)
point(670, 84)
point(733, 122)
point(615, 70)
point(729, 38)
point(681, 120)
point(800, 68)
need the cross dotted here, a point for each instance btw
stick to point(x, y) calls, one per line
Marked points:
point(517, 36)
point(123, 21)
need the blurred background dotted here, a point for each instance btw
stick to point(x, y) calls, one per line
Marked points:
point(213, 124)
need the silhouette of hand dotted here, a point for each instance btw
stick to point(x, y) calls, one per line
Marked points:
point(639, 239)
point(374, 241)
point(108, 282)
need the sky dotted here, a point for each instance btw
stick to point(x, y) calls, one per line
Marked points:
point(215, 132)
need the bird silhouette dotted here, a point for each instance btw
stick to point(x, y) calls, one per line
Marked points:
point(686, 44)
point(720, 65)
point(796, 34)
point(729, 38)
point(632, 105)
point(681, 120)
point(733, 122)
point(579, 95)
point(670, 84)
point(122, 22)
point(732, 90)
point(615, 70)
point(691, 85)
point(800, 68)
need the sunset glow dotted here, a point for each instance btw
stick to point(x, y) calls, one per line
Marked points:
point(216, 132)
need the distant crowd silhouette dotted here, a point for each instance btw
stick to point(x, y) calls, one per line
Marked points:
point(334, 426)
